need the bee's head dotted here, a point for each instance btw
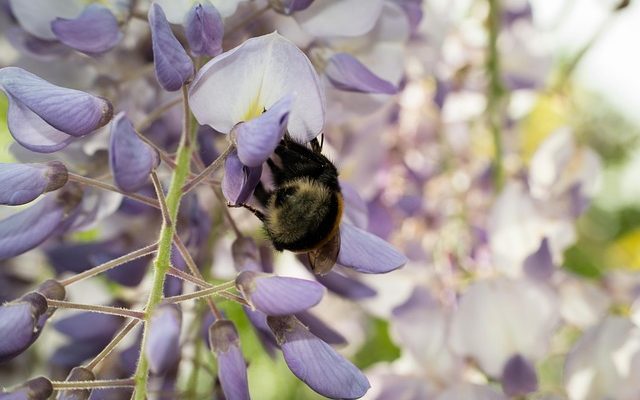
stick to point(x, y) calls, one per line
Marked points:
point(302, 213)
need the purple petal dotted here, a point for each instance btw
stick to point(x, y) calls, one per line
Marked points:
point(19, 324)
point(28, 228)
point(22, 183)
point(77, 374)
point(172, 63)
point(172, 284)
point(232, 369)
point(288, 7)
point(315, 362)
point(346, 286)
point(346, 73)
point(163, 346)
point(367, 253)
point(89, 326)
point(204, 30)
point(39, 102)
point(95, 31)
point(76, 257)
point(355, 209)
point(276, 295)
point(320, 329)
point(239, 181)
point(131, 160)
point(519, 377)
point(256, 139)
point(39, 388)
point(539, 265)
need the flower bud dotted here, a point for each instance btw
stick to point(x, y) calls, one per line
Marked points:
point(204, 30)
point(232, 369)
point(172, 63)
point(22, 183)
point(276, 295)
point(39, 388)
point(163, 347)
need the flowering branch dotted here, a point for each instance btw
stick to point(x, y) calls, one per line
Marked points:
point(162, 261)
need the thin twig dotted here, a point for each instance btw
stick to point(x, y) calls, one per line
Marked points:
point(106, 186)
point(110, 264)
point(189, 278)
point(97, 384)
point(161, 198)
point(214, 166)
point(226, 212)
point(126, 328)
point(214, 290)
point(123, 312)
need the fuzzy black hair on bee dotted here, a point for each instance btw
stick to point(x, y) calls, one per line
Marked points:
point(304, 209)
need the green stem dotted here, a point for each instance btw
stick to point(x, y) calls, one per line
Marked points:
point(495, 92)
point(163, 257)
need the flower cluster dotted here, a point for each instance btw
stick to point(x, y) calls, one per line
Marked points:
point(120, 190)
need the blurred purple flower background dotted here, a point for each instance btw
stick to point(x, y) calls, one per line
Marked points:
point(305, 199)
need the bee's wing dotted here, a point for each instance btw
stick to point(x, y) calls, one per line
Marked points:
point(324, 258)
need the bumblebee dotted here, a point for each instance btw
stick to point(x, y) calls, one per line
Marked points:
point(302, 212)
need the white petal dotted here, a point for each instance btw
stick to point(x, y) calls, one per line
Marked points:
point(514, 316)
point(240, 84)
point(602, 364)
point(331, 18)
point(35, 16)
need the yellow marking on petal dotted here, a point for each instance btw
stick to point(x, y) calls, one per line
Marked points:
point(255, 109)
point(625, 252)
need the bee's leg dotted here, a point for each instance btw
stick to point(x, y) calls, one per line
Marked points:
point(261, 194)
point(255, 211)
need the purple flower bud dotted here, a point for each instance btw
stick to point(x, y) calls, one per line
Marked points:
point(77, 374)
point(539, 265)
point(276, 295)
point(39, 388)
point(131, 160)
point(95, 31)
point(346, 73)
point(45, 118)
point(129, 274)
point(204, 30)
point(232, 369)
point(239, 181)
point(28, 228)
point(345, 286)
point(23, 183)
point(257, 138)
point(173, 65)
point(288, 7)
point(315, 362)
point(519, 377)
point(19, 324)
point(367, 253)
point(173, 285)
point(163, 346)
